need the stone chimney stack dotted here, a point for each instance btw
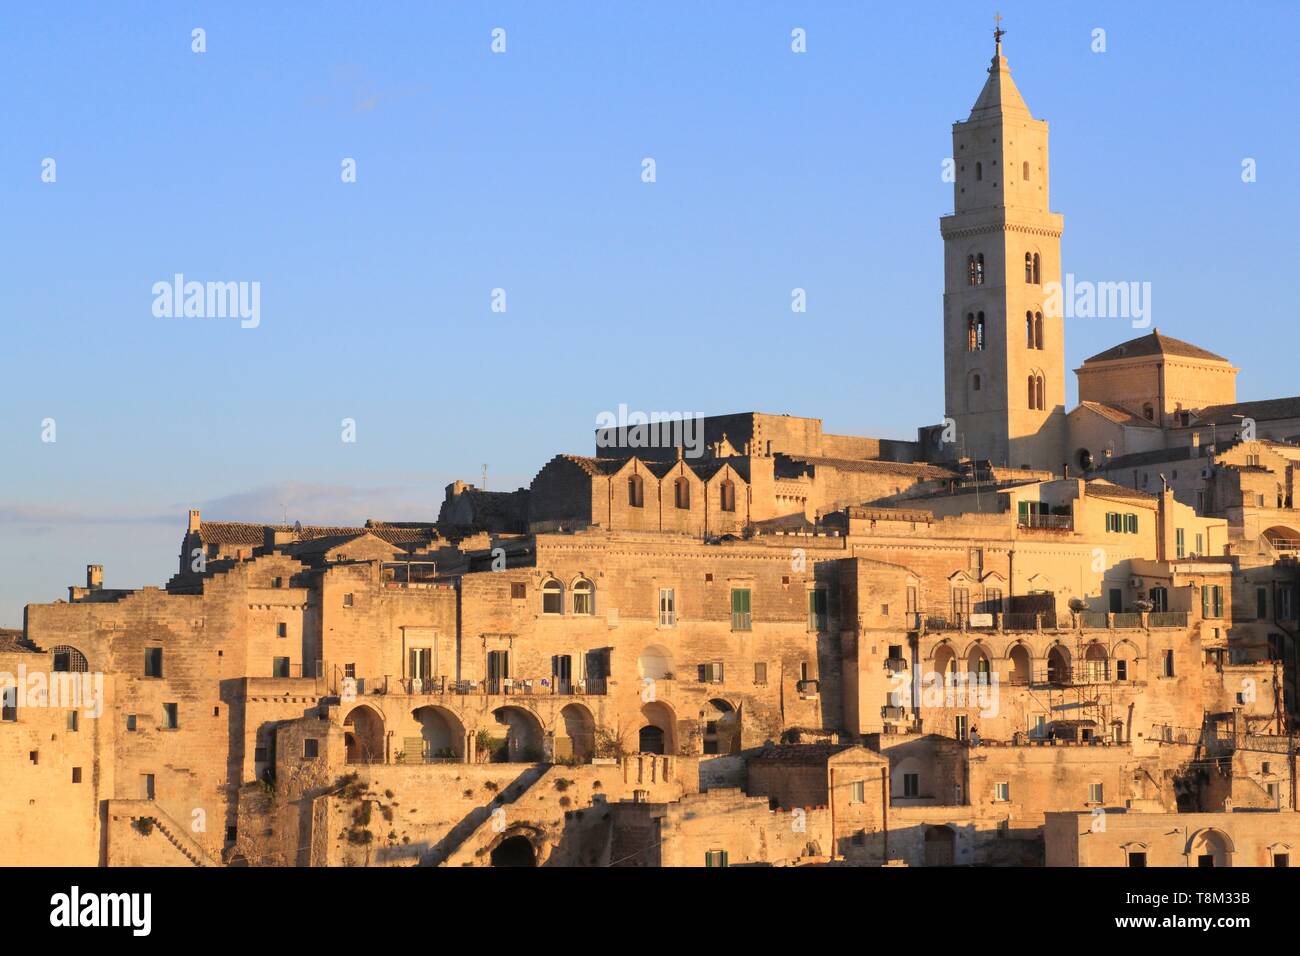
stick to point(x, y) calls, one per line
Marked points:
point(94, 577)
point(195, 520)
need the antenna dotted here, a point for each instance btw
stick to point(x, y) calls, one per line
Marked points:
point(485, 477)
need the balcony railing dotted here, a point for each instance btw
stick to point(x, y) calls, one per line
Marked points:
point(1050, 522)
point(1127, 619)
point(534, 686)
point(1167, 619)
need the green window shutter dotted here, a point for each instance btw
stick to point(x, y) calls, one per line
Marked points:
point(1205, 600)
point(1135, 524)
point(1024, 509)
point(740, 600)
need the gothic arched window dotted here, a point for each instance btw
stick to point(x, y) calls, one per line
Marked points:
point(979, 333)
point(1029, 330)
point(1029, 268)
point(1038, 330)
point(635, 491)
point(979, 269)
point(1037, 279)
point(970, 331)
point(1038, 383)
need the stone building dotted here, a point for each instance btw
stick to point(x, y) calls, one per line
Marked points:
point(749, 643)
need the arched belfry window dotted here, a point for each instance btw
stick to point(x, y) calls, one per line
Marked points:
point(979, 269)
point(970, 270)
point(635, 491)
point(979, 332)
point(1037, 277)
point(1032, 395)
point(1029, 330)
point(1038, 385)
point(1029, 268)
point(970, 331)
point(1038, 330)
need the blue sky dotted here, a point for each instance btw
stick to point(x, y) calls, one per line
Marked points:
point(522, 171)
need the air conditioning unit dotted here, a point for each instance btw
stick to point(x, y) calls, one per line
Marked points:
point(1135, 583)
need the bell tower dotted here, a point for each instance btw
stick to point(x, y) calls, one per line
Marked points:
point(1004, 357)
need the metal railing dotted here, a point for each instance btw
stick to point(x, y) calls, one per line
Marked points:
point(1050, 522)
point(1167, 619)
point(1127, 619)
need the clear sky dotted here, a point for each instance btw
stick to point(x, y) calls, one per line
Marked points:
point(522, 171)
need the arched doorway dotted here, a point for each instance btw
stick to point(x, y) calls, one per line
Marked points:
point(657, 735)
point(514, 851)
point(579, 734)
point(1058, 665)
point(1021, 665)
point(721, 728)
point(939, 846)
point(977, 665)
point(442, 737)
point(523, 734)
point(1211, 848)
point(363, 735)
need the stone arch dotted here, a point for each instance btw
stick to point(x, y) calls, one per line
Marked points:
point(1212, 845)
point(1096, 662)
point(1020, 664)
point(524, 733)
point(721, 727)
point(67, 659)
point(1124, 652)
point(363, 735)
point(580, 730)
point(520, 845)
point(978, 664)
point(945, 660)
point(1058, 664)
point(1282, 537)
point(655, 662)
point(442, 735)
point(658, 732)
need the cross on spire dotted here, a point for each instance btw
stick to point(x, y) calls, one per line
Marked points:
point(998, 32)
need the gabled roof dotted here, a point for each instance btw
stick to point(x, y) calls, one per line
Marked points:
point(1154, 344)
point(917, 470)
point(1101, 488)
point(1120, 416)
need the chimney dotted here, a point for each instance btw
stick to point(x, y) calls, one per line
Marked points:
point(94, 577)
point(195, 521)
point(1066, 470)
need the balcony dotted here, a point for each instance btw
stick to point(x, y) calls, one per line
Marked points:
point(1046, 522)
point(441, 686)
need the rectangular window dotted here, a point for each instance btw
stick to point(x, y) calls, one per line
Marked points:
point(741, 614)
point(350, 670)
point(518, 590)
point(1116, 600)
point(760, 674)
point(1095, 793)
point(282, 630)
point(1180, 543)
point(130, 722)
point(347, 599)
point(960, 603)
point(1040, 727)
point(153, 662)
point(171, 717)
point(1200, 544)
point(1261, 603)
point(1137, 860)
point(1282, 859)
point(667, 607)
point(858, 793)
point(911, 784)
point(711, 673)
point(1286, 604)
point(9, 703)
point(279, 667)
point(817, 610)
point(261, 754)
point(715, 858)
point(960, 727)
point(1212, 600)
point(310, 748)
point(1002, 791)
point(1121, 669)
point(421, 663)
point(76, 775)
point(73, 720)
point(146, 786)
point(1130, 523)
point(1168, 667)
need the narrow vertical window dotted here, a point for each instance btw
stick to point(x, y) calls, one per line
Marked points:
point(979, 269)
point(979, 333)
point(1029, 268)
point(1031, 391)
point(979, 172)
point(970, 332)
point(1026, 170)
point(1042, 405)
point(1037, 279)
point(1038, 330)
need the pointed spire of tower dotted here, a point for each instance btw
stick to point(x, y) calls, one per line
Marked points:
point(999, 95)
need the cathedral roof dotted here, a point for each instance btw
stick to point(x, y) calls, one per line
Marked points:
point(1153, 344)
